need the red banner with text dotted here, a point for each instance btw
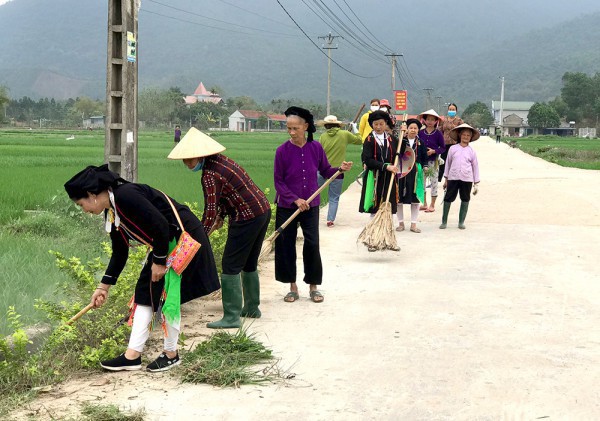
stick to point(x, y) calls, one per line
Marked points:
point(401, 98)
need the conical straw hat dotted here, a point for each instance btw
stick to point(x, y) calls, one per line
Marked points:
point(429, 112)
point(195, 144)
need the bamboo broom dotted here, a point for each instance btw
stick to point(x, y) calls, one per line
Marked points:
point(267, 246)
point(379, 233)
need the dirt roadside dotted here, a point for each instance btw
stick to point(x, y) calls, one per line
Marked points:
point(500, 321)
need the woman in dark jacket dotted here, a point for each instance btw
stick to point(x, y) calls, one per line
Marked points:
point(378, 155)
point(137, 213)
point(411, 188)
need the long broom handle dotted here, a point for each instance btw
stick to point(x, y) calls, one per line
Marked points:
point(389, 192)
point(358, 113)
point(310, 199)
point(81, 313)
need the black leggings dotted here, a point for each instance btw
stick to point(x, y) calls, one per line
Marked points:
point(244, 241)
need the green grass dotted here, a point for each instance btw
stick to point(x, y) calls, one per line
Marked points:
point(34, 165)
point(565, 151)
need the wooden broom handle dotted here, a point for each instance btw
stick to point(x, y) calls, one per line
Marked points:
point(358, 113)
point(81, 313)
point(400, 140)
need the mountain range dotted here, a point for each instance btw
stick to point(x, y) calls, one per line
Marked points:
point(58, 48)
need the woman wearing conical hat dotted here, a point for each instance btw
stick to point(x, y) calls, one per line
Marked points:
point(433, 140)
point(230, 192)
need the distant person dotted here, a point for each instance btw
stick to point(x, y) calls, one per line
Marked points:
point(335, 142)
point(433, 140)
point(498, 134)
point(137, 213)
point(451, 121)
point(411, 189)
point(363, 126)
point(229, 191)
point(177, 134)
point(461, 173)
point(297, 162)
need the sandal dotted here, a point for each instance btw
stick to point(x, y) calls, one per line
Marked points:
point(316, 296)
point(291, 296)
point(330, 224)
point(415, 229)
point(423, 208)
point(400, 228)
point(429, 210)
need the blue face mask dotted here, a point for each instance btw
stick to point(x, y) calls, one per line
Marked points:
point(198, 166)
point(451, 113)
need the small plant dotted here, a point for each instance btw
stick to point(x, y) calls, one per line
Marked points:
point(92, 412)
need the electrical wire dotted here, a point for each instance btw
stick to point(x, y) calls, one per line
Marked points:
point(319, 48)
point(357, 27)
point(217, 20)
point(256, 14)
point(366, 27)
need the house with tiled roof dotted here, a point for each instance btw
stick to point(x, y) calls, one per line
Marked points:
point(250, 120)
point(201, 94)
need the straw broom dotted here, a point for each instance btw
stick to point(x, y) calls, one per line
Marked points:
point(379, 233)
point(267, 246)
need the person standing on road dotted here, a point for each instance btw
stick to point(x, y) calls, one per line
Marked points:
point(229, 191)
point(433, 140)
point(335, 142)
point(411, 188)
point(461, 173)
point(363, 125)
point(137, 213)
point(297, 162)
point(378, 156)
point(450, 122)
point(498, 134)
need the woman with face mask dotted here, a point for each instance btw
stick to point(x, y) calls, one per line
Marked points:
point(451, 121)
point(363, 126)
point(229, 191)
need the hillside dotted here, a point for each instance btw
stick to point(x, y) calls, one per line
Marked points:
point(57, 49)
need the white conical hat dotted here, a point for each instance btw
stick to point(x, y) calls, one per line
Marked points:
point(429, 112)
point(195, 144)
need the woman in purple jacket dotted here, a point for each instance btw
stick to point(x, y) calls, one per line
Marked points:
point(433, 139)
point(297, 162)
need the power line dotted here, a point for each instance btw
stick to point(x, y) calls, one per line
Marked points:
point(319, 48)
point(217, 20)
point(409, 74)
point(256, 14)
point(350, 19)
point(366, 27)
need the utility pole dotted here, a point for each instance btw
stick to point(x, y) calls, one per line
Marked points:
point(121, 125)
point(439, 110)
point(428, 97)
point(501, 102)
point(393, 56)
point(329, 39)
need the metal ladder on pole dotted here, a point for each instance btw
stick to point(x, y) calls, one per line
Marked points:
point(121, 126)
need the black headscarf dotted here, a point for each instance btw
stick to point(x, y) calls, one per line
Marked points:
point(92, 179)
point(306, 116)
point(380, 115)
point(415, 121)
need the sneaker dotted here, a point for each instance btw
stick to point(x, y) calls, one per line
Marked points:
point(163, 363)
point(330, 224)
point(122, 363)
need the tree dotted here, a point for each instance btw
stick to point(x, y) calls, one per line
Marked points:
point(542, 115)
point(478, 114)
point(4, 100)
point(560, 106)
point(87, 107)
point(579, 91)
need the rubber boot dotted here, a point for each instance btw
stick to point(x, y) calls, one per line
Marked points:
point(251, 287)
point(445, 215)
point(462, 214)
point(231, 291)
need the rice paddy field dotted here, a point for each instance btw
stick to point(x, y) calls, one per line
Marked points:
point(36, 215)
point(565, 151)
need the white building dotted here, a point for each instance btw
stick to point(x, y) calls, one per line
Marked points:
point(514, 117)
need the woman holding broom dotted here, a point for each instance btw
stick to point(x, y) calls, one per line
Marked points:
point(378, 155)
point(138, 213)
point(229, 191)
point(411, 187)
point(297, 163)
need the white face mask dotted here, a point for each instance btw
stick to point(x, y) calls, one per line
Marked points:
point(374, 107)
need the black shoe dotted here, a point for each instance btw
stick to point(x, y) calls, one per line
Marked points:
point(163, 363)
point(122, 363)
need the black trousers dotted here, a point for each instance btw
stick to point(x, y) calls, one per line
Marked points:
point(458, 186)
point(285, 246)
point(444, 155)
point(244, 241)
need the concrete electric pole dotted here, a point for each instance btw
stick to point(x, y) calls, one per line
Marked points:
point(329, 46)
point(393, 56)
point(439, 110)
point(428, 97)
point(121, 127)
point(501, 102)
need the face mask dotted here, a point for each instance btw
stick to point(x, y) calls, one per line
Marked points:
point(198, 166)
point(374, 107)
point(451, 113)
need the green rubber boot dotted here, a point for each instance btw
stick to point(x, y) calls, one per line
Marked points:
point(445, 215)
point(251, 287)
point(231, 290)
point(462, 214)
